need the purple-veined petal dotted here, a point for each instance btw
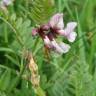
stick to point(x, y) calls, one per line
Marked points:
point(57, 21)
point(65, 47)
point(56, 47)
point(72, 36)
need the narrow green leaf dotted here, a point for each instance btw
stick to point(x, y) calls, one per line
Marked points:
point(5, 80)
point(6, 50)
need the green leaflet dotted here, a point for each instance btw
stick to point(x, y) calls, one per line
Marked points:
point(75, 81)
point(42, 10)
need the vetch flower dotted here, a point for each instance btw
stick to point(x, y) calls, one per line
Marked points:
point(50, 31)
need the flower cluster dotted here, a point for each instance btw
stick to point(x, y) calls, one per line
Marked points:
point(52, 29)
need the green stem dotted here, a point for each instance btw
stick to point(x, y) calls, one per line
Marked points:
point(39, 91)
point(5, 34)
point(60, 5)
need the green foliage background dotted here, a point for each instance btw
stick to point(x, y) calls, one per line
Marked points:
point(72, 74)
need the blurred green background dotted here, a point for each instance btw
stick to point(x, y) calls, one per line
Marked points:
point(71, 74)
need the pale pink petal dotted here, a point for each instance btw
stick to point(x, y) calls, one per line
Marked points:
point(57, 21)
point(47, 42)
point(72, 24)
point(34, 31)
point(70, 27)
point(65, 47)
point(68, 32)
point(56, 47)
point(72, 36)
